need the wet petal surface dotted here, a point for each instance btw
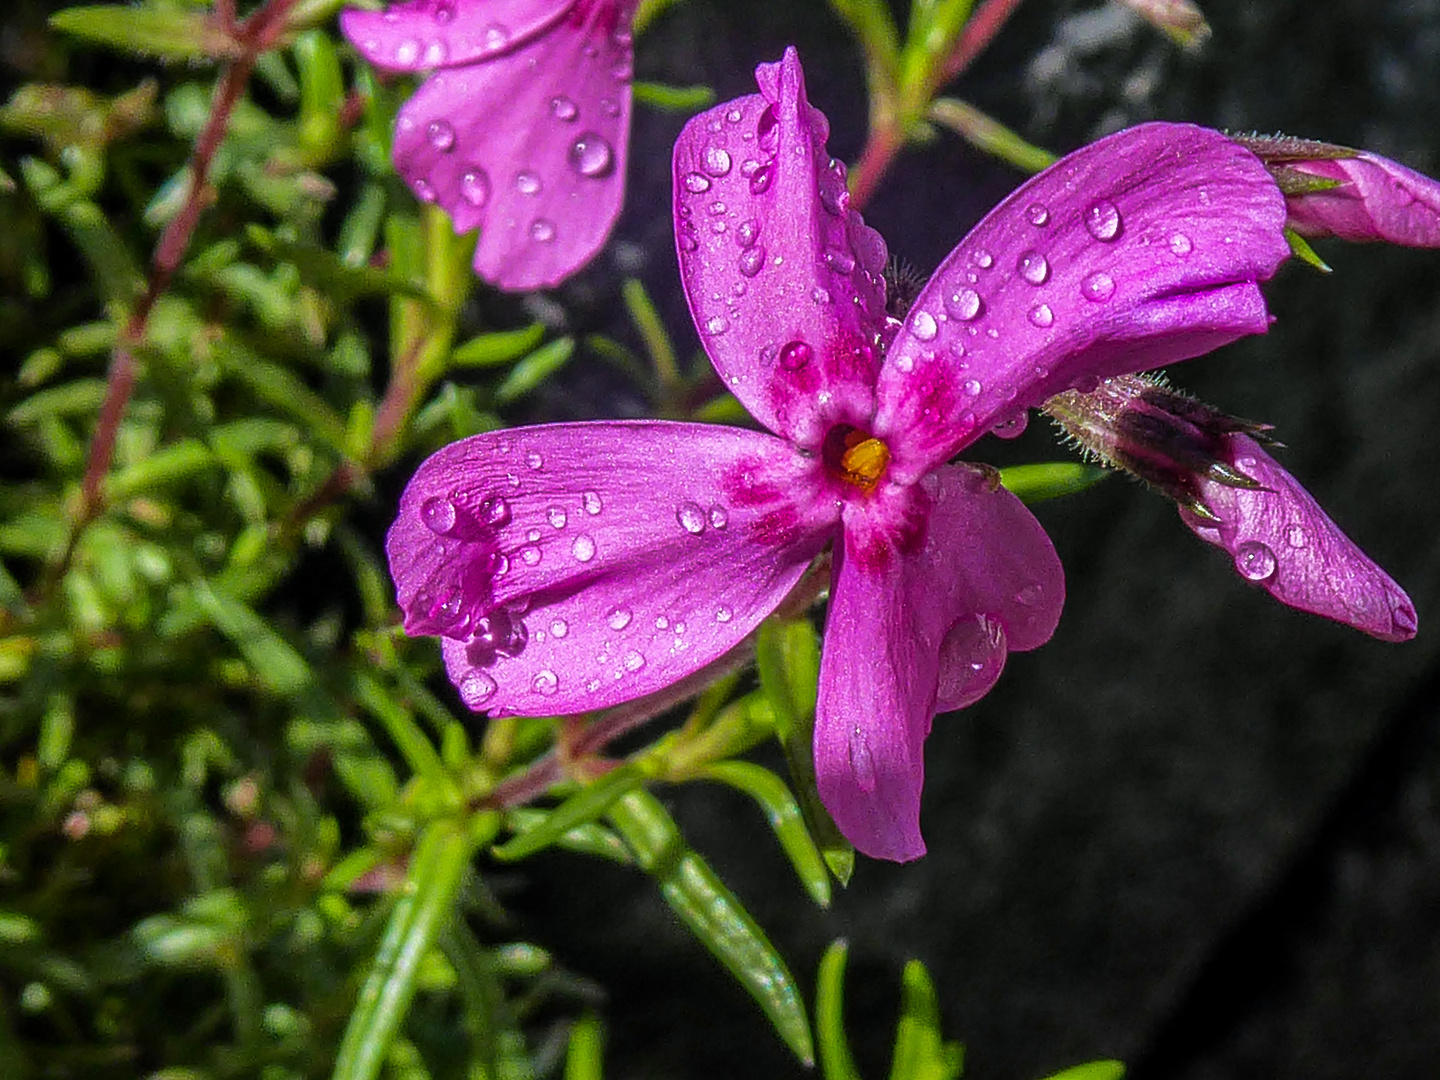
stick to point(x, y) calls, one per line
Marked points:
point(783, 279)
point(531, 148)
point(575, 566)
point(1281, 540)
point(918, 631)
point(1138, 250)
point(430, 34)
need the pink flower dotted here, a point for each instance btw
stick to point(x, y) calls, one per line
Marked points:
point(570, 567)
point(522, 127)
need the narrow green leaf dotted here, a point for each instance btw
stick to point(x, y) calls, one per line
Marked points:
point(419, 753)
point(272, 658)
point(921, 1053)
point(328, 271)
point(589, 803)
point(282, 389)
point(498, 347)
point(1092, 1070)
point(836, 1062)
point(588, 839)
point(423, 906)
point(535, 369)
point(652, 332)
point(168, 465)
point(1051, 479)
point(82, 396)
point(989, 135)
point(786, 820)
point(677, 99)
point(1302, 250)
point(715, 916)
point(164, 33)
point(585, 1054)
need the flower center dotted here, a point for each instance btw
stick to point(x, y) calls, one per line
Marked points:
point(856, 457)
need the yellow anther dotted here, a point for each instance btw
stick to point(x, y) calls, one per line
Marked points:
point(863, 462)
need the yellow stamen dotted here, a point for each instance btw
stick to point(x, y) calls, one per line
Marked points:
point(864, 461)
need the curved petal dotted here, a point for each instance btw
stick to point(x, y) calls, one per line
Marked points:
point(1282, 541)
point(1378, 199)
point(783, 279)
point(427, 34)
point(917, 631)
point(570, 567)
point(530, 147)
point(1138, 250)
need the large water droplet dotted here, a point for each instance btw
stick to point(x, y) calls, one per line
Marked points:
point(1102, 220)
point(971, 657)
point(530, 555)
point(1255, 561)
point(535, 460)
point(965, 304)
point(1181, 245)
point(590, 500)
point(691, 518)
point(527, 183)
point(476, 688)
point(562, 108)
point(715, 160)
point(752, 260)
point(1037, 215)
point(696, 183)
point(546, 682)
point(618, 619)
point(747, 232)
point(794, 355)
point(1033, 267)
point(592, 156)
point(1042, 316)
point(1098, 287)
point(583, 549)
point(439, 515)
point(475, 186)
point(406, 53)
point(718, 517)
point(440, 135)
point(761, 180)
point(1012, 427)
point(542, 230)
point(495, 512)
point(922, 325)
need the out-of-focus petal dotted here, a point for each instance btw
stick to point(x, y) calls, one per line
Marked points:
point(429, 34)
point(1138, 250)
point(531, 147)
point(1377, 199)
point(1282, 541)
point(922, 629)
point(574, 566)
point(783, 279)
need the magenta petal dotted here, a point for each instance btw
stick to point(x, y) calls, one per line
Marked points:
point(429, 34)
point(1138, 250)
point(530, 147)
point(1377, 199)
point(783, 279)
point(571, 567)
point(1282, 541)
point(917, 630)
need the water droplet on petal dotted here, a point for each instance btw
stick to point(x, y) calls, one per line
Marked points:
point(905, 363)
point(1102, 220)
point(982, 258)
point(496, 36)
point(761, 179)
point(696, 183)
point(407, 52)
point(1255, 561)
point(1033, 267)
point(717, 325)
point(443, 13)
point(439, 515)
point(583, 549)
point(691, 518)
point(495, 512)
point(435, 54)
point(546, 682)
point(556, 516)
point(715, 160)
point(475, 186)
point(1037, 214)
point(1295, 536)
point(476, 688)
point(794, 355)
point(840, 260)
point(542, 231)
point(530, 554)
point(591, 501)
point(1098, 287)
point(964, 304)
point(747, 232)
point(1042, 316)
point(1012, 427)
point(971, 387)
point(618, 619)
point(718, 517)
point(535, 460)
point(559, 628)
point(1181, 245)
point(527, 183)
point(562, 108)
point(662, 623)
point(723, 614)
point(592, 156)
point(424, 190)
point(922, 325)
point(752, 260)
point(633, 661)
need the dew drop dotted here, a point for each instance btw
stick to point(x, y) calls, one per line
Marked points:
point(546, 682)
point(583, 549)
point(687, 240)
point(715, 160)
point(1037, 215)
point(696, 183)
point(530, 554)
point(443, 13)
point(495, 512)
point(723, 614)
point(435, 54)
point(747, 232)
point(971, 387)
point(533, 536)
point(761, 179)
point(1255, 561)
point(592, 156)
point(662, 623)
point(534, 460)
point(752, 260)
point(562, 108)
point(1012, 427)
point(559, 628)
point(717, 325)
point(439, 515)
point(1034, 268)
point(1181, 245)
point(922, 325)
point(1295, 536)
point(475, 186)
point(1098, 287)
point(542, 231)
point(982, 258)
point(407, 52)
point(905, 363)
point(1102, 220)
point(1042, 316)
point(590, 500)
point(496, 36)
point(691, 518)
point(964, 304)
point(476, 688)
point(839, 260)
point(527, 183)
point(794, 355)
point(619, 618)
point(633, 661)
point(424, 190)
point(556, 516)
point(718, 517)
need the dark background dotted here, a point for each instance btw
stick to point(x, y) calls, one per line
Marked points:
point(1197, 831)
